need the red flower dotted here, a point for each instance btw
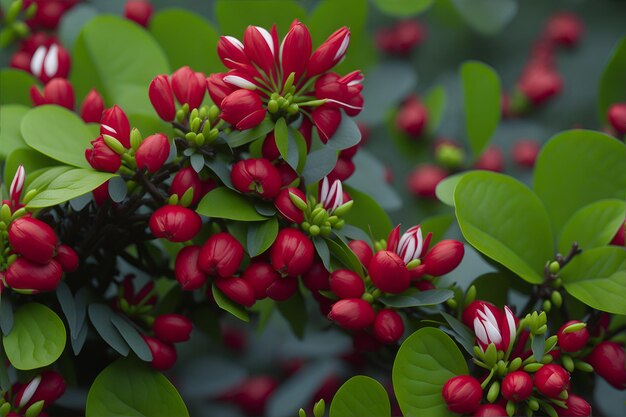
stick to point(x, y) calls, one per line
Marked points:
point(256, 175)
point(260, 276)
point(346, 284)
point(564, 29)
point(341, 92)
point(47, 387)
point(462, 394)
point(388, 272)
point(576, 407)
point(242, 109)
point(551, 380)
point(186, 269)
point(26, 275)
point(285, 206)
point(92, 107)
point(617, 117)
point(443, 257)
point(517, 386)
point(608, 361)
point(317, 277)
point(50, 62)
point(221, 255)
point(352, 313)
point(101, 157)
point(539, 83)
point(292, 252)
point(412, 117)
point(172, 328)
point(162, 97)
point(175, 223)
point(115, 123)
point(189, 87)
point(282, 289)
point(163, 354)
point(525, 152)
point(491, 160)
point(185, 179)
point(33, 239)
point(388, 326)
point(362, 250)
point(295, 50)
point(139, 11)
point(422, 182)
point(68, 258)
point(259, 47)
point(237, 289)
point(329, 53)
point(153, 152)
point(326, 120)
point(57, 91)
point(572, 341)
point(490, 410)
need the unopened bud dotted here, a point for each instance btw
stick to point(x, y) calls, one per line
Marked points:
point(554, 267)
point(173, 200)
point(470, 295)
point(557, 299)
point(190, 136)
point(114, 144)
point(491, 355)
point(583, 366)
point(29, 196)
point(13, 10)
point(343, 209)
point(35, 409)
point(515, 364)
point(195, 122)
point(272, 106)
point(180, 116)
point(533, 367)
point(494, 391)
point(547, 306)
point(510, 408)
point(199, 139)
point(314, 230)
point(568, 362)
point(302, 413)
point(320, 407)
point(533, 404)
point(574, 327)
point(297, 201)
point(135, 138)
point(187, 197)
point(451, 303)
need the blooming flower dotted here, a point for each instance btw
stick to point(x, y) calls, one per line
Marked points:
point(499, 331)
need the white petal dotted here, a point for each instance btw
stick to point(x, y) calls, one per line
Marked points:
point(268, 38)
point(30, 391)
point(510, 320)
point(344, 104)
point(239, 82)
point(18, 181)
point(409, 251)
point(336, 193)
point(324, 192)
point(344, 46)
point(109, 129)
point(481, 334)
point(491, 317)
point(493, 333)
point(235, 42)
point(36, 62)
point(420, 243)
point(51, 63)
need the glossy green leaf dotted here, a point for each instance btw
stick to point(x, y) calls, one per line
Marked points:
point(58, 133)
point(70, 184)
point(319, 163)
point(229, 305)
point(241, 137)
point(130, 388)
point(435, 102)
point(417, 298)
point(224, 203)
point(10, 134)
point(198, 50)
point(15, 86)
point(119, 59)
point(342, 253)
point(346, 135)
point(403, 8)
point(493, 287)
point(424, 363)
point(597, 277)
point(481, 92)
point(367, 214)
point(612, 87)
point(261, 235)
point(486, 16)
point(281, 135)
point(47, 175)
point(234, 16)
point(360, 396)
point(576, 168)
point(504, 220)
point(445, 188)
point(37, 338)
point(593, 225)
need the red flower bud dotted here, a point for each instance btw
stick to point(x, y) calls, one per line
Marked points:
point(576, 407)
point(617, 117)
point(256, 175)
point(101, 194)
point(326, 120)
point(26, 275)
point(153, 152)
point(388, 326)
point(186, 269)
point(362, 251)
point(292, 252)
point(295, 50)
point(573, 341)
point(259, 47)
point(350, 152)
point(221, 255)
point(101, 157)
point(490, 410)
point(402, 38)
point(33, 239)
point(67, 257)
point(175, 223)
point(352, 313)
point(388, 272)
point(243, 109)
point(564, 29)
point(422, 182)
point(462, 394)
point(282, 289)
point(139, 11)
point(47, 387)
point(188, 87)
point(608, 361)
point(260, 276)
point(20, 60)
point(287, 174)
point(329, 53)
point(346, 284)
point(115, 123)
point(491, 160)
point(344, 168)
point(517, 386)
point(92, 107)
point(285, 206)
point(57, 91)
point(237, 289)
point(471, 312)
point(317, 277)
point(185, 179)
point(269, 150)
point(162, 97)
point(163, 354)
point(218, 89)
point(341, 92)
point(231, 52)
point(50, 62)
point(412, 117)
point(539, 83)
point(551, 380)
point(444, 257)
point(172, 328)
point(620, 236)
point(525, 152)
point(252, 394)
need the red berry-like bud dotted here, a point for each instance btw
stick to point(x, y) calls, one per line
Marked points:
point(362, 251)
point(539, 83)
point(295, 50)
point(256, 175)
point(48, 387)
point(252, 394)
point(388, 272)
point(185, 179)
point(26, 275)
point(115, 123)
point(617, 117)
point(491, 160)
point(175, 223)
point(153, 152)
point(462, 394)
point(172, 328)
point(285, 206)
point(564, 29)
point(237, 289)
point(517, 386)
point(243, 109)
point(57, 91)
point(388, 326)
point(444, 257)
point(163, 354)
point(412, 117)
point(269, 150)
point(329, 53)
point(344, 168)
point(525, 152)
point(218, 89)
point(186, 269)
point(92, 107)
point(67, 257)
point(346, 284)
point(221, 255)
point(260, 276)
point(282, 289)
point(423, 180)
point(292, 252)
point(287, 174)
point(352, 313)
point(608, 361)
point(33, 239)
point(573, 341)
point(317, 277)
point(576, 407)
point(162, 97)
point(490, 410)
point(326, 120)
point(551, 380)
point(188, 87)
point(101, 157)
point(139, 11)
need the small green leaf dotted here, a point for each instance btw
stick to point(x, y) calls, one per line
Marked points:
point(417, 298)
point(281, 135)
point(241, 137)
point(425, 362)
point(613, 83)
point(10, 136)
point(537, 345)
point(15, 86)
point(445, 188)
point(597, 277)
point(346, 135)
point(37, 338)
point(224, 203)
point(486, 16)
point(403, 8)
point(261, 235)
point(367, 214)
point(360, 396)
point(229, 305)
point(435, 102)
point(342, 253)
point(129, 388)
point(321, 247)
point(319, 164)
point(481, 91)
point(101, 318)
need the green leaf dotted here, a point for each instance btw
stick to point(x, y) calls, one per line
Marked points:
point(403, 8)
point(132, 337)
point(58, 133)
point(32, 160)
point(340, 251)
point(47, 175)
point(435, 102)
point(425, 362)
point(119, 59)
point(241, 137)
point(37, 338)
point(486, 16)
point(294, 311)
point(481, 92)
point(346, 135)
point(593, 225)
point(318, 164)
point(321, 247)
point(360, 396)
point(417, 298)
point(15, 86)
point(234, 16)
point(281, 135)
point(445, 188)
point(367, 214)
point(537, 345)
point(71, 184)
point(229, 305)
point(101, 318)
point(461, 333)
point(504, 220)
point(493, 287)
point(10, 135)
point(597, 277)
point(261, 235)
point(612, 87)
point(129, 388)
point(224, 203)
point(198, 50)
point(576, 168)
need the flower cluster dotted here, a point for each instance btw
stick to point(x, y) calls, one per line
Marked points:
point(34, 397)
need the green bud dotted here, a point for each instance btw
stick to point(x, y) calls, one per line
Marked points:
point(451, 303)
point(320, 407)
point(550, 343)
point(187, 197)
point(543, 318)
point(501, 367)
point(478, 352)
point(195, 124)
point(376, 293)
point(31, 11)
point(510, 408)
point(533, 367)
point(214, 113)
point(470, 295)
point(368, 297)
point(213, 134)
point(114, 144)
point(293, 108)
point(379, 245)
point(557, 299)
point(533, 404)
point(21, 29)
point(135, 138)
point(413, 264)
point(206, 128)
point(302, 413)
point(180, 115)
point(186, 108)
point(320, 217)
point(568, 362)
point(574, 327)
point(317, 210)
point(314, 230)
point(343, 209)
point(557, 283)
point(541, 330)
point(200, 139)
point(547, 306)
point(5, 213)
point(13, 11)
point(4, 408)
point(204, 112)
point(583, 366)
point(173, 200)
point(124, 304)
point(564, 395)
point(332, 220)
point(546, 359)
point(3, 226)
point(494, 391)
point(297, 201)
point(289, 82)
point(550, 410)
point(29, 196)
point(191, 137)
point(18, 213)
point(554, 267)
point(193, 115)
point(305, 226)
point(325, 231)
point(272, 106)
point(339, 225)
point(34, 409)
point(515, 364)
